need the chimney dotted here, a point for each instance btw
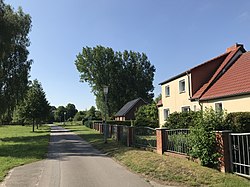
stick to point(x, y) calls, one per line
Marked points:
point(229, 49)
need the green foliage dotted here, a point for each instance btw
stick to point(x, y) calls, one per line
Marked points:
point(62, 113)
point(158, 98)
point(80, 115)
point(238, 121)
point(14, 63)
point(91, 113)
point(202, 137)
point(71, 111)
point(182, 120)
point(147, 115)
point(59, 114)
point(128, 75)
point(35, 106)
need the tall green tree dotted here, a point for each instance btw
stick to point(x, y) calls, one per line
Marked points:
point(71, 111)
point(59, 114)
point(14, 63)
point(128, 75)
point(35, 106)
point(80, 115)
point(147, 115)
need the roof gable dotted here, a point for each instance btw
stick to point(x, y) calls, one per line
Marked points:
point(128, 106)
point(224, 65)
point(202, 73)
point(234, 81)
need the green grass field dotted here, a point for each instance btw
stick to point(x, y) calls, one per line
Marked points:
point(166, 169)
point(19, 145)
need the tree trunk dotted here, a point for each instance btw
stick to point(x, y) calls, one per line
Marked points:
point(33, 125)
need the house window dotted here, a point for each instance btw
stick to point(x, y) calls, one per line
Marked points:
point(167, 91)
point(166, 114)
point(182, 86)
point(218, 107)
point(185, 109)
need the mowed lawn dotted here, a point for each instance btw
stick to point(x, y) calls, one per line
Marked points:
point(164, 169)
point(19, 145)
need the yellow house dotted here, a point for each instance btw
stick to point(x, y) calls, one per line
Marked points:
point(221, 83)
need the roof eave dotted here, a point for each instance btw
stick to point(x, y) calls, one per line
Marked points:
point(175, 77)
point(225, 96)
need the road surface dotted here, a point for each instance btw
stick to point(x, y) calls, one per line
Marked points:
point(72, 162)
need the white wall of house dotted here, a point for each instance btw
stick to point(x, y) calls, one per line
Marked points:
point(177, 98)
point(231, 104)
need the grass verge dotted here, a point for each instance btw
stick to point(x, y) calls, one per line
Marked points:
point(19, 145)
point(166, 169)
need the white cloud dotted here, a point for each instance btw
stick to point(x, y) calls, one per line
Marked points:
point(244, 16)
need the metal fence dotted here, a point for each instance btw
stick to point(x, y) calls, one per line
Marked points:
point(240, 153)
point(177, 141)
point(145, 137)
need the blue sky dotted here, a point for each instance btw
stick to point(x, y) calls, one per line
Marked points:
point(175, 35)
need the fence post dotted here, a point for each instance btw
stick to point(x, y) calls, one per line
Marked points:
point(223, 146)
point(161, 140)
point(110, 130)
point(118, 132)
point(130, 136)
point(101, 128)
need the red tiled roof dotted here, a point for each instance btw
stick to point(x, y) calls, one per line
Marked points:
point(159, 104)
point(235, 81)
point(206, 86)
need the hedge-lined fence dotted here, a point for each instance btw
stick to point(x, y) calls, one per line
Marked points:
point(162, 140)
point(204, 138)
point(236, 121)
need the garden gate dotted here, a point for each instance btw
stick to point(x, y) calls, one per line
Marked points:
point(240, 153)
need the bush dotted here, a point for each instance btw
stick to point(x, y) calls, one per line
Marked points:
point(202, 137)
point(238, 121)
point(87, 123)
point(182, 120)
point(147, 116)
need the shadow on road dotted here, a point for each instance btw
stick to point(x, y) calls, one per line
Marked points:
point(64, 143)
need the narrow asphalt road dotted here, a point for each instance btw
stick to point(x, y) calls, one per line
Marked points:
point(73, 162)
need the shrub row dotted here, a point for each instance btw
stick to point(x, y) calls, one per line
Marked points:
point(202, 139)
point(237, 121)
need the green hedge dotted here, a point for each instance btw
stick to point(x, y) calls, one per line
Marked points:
point(238, 121)
point(182, 120)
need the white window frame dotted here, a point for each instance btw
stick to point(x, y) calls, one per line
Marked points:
point(167, 91)
point(220, 107)
point(185, 109)
point(182, 88)
point(166, 113)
